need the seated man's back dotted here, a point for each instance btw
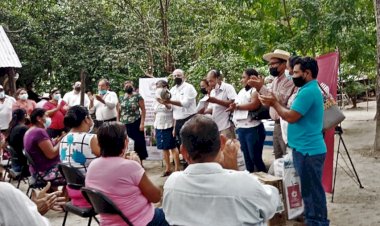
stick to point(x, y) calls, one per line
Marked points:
point(207, 194)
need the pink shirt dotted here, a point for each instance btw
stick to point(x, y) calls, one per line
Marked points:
point(119, 179)
point(283, 88)
point(27, 105)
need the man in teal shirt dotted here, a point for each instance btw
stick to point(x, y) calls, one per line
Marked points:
point(305, 118)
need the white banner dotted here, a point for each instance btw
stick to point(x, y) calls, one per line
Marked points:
point(147, 89)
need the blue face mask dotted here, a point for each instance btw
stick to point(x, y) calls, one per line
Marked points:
point(288, 75)
point(102, 91)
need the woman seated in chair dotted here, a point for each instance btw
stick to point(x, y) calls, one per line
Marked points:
point(124, 181)
point(43, 151)
point(79, 147)
point(16, 132)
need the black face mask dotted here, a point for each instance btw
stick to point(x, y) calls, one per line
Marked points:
point(128, 90)
point(178, 81)
point(77, 89)
point(247, 87)
point(299, 81)
point(204, 91)
point(273, 71)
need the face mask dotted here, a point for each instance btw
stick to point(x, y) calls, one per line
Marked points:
point(47, 122)
point(273, 71)
point(163, 93)
point(158, 93)
point(247, 87)
point(2, 95)
point(102, 92)
point(204, 91)
point(288, 75)
point(77, 89)
point(299, 81)
point(178, 81)
point(23, 96)
point(128, 90)
point(57, 96)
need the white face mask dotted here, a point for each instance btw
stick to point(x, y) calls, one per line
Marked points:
point(2, 95)
point(57, 96)
point(288, 75)
point(47, 122)
point(158, 93)
point(23, 96)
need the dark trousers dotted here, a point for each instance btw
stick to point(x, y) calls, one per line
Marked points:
point(133, 130)
point(252, 143)
point(279, 146)
point(53, 133)
point(309, 168)
point(158, 218)
point(178, 126)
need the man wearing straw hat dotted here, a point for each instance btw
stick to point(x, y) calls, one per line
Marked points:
point(282, 87)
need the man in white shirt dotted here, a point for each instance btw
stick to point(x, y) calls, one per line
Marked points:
point(72, 98)
point(206, 192)
point(221, 96)
point(182, 100)
point(6, 103)
point(103, 104)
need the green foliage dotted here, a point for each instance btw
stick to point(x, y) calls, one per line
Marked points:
point(124, 39)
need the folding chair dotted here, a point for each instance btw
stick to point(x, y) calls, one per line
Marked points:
point(5, 164)
point(38, 182)
point(24, 172)
point(102, 204)
point(75, 180)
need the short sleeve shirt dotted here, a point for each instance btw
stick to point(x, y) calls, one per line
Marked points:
point(6, 112)
point(130, 108)
point(119, 179)
point(31, 140)
point(57, 117)
point(219, 114)
point(305, 135)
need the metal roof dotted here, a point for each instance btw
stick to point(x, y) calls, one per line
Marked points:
point(8, 56)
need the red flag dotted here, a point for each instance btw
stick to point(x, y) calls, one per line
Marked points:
point(328, 74)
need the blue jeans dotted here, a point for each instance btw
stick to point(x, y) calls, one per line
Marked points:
point(158, 218)
point(309, 168)
point(252, 143)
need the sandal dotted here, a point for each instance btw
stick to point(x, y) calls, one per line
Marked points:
point(166, 173)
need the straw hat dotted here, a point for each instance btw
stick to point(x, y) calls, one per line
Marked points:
point(278, 53)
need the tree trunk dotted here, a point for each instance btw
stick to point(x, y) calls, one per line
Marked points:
point(167, 55)
point(354, 101)
point(377, 117)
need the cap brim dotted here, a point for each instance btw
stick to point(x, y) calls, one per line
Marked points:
point(269, 56)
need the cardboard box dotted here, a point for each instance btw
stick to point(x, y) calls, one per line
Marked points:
point(279, 218)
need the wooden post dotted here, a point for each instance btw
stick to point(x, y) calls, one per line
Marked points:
point(82, 86)
point(11, 81)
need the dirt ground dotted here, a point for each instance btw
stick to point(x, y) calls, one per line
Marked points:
point(351, 206)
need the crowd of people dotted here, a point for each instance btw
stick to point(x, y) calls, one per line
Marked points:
point(210, 190)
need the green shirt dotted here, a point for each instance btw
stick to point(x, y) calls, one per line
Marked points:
point(130, 108)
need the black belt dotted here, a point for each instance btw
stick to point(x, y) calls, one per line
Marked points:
point(277, 121)
point(108, 120)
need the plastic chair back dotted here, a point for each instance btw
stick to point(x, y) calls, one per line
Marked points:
point(102, 204)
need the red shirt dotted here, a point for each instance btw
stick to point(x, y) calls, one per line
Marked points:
point(56, 117)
